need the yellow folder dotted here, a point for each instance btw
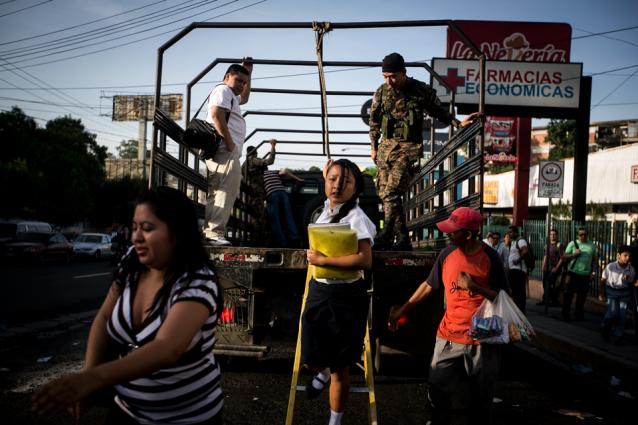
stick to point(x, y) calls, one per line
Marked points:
point(333, 240)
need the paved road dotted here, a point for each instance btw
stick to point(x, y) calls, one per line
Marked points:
point(32, 292)
point(529, 392)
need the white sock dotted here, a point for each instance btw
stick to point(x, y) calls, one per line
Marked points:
point(335, 417)
point(324, 376)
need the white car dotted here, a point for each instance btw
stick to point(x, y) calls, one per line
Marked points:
point(94, 245)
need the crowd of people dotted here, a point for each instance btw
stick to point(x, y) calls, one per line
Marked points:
point(150, 347)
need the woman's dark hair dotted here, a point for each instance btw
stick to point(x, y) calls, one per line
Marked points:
point(178, 212)
point(348, 167)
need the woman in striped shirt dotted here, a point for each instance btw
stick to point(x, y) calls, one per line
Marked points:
point(160, 315)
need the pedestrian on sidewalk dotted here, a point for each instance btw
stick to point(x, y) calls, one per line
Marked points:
point(619, 278)
point(493, 240)
point(517, 270)
point(503, 251)
point(151, 342)
point(581, 260)
point(552, 268)
point(468, 271)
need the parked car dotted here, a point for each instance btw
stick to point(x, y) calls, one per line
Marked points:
point(9, 230)
point(40, 247)
point(94, 245)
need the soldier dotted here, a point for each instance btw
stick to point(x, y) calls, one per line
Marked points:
point(396, 117)
point(254, 177)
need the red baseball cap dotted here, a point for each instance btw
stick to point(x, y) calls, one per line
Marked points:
point(461, 218)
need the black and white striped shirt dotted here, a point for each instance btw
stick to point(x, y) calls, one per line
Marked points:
point(189, 391)
point(272, 182)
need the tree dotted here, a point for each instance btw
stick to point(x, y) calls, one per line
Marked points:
point(562, 210)
point(127, 149)
point(115, 200)
point(51, 174)
point(19, 135)
point(371, 171)
point(314, 168)
point(597, 211)
point(562, 135)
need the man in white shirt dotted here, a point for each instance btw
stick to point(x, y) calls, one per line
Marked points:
point(224, 169)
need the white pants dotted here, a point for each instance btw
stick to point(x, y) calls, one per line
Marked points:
point(223, 188)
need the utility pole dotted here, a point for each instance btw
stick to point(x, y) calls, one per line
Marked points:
point(141, 144)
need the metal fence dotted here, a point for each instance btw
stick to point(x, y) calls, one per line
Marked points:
point(449, 180)
point(607, 236)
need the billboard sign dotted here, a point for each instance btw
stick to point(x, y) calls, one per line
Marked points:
point(140, 107)
point(526, 84)
point(500, 139)
point(517, 41)
point(490, 192)
point(550, 179)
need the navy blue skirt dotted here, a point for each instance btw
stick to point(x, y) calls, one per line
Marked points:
point(334, 324)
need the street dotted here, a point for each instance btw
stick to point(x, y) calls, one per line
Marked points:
point(34, 291)
point(530, 391)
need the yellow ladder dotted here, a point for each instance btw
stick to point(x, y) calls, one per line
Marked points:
point(367, 368)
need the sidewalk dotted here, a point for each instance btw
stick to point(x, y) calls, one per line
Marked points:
point(580, 344)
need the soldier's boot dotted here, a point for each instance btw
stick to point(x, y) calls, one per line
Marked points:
point(403, 241)
point(383, 241)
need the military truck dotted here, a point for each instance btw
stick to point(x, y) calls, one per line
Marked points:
point(263, 286)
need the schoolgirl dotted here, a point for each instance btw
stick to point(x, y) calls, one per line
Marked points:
point(334, 318)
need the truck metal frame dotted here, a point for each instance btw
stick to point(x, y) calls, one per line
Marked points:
point(444, 183)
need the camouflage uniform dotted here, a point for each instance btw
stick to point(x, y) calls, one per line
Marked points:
point(396, 116)
point(254, 177)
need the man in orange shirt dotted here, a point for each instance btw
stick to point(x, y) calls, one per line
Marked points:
point(468, 271)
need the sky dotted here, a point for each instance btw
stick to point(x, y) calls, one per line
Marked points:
point(70, 57)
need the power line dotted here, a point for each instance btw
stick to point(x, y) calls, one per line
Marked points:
point(100, 32)
point(5, 2)
point(46, 102)
point(79, 25)
point(25, 8)
point(614, 90)
point(594, 34)
point(13, 70)
point(611, 38)
point(135, 41)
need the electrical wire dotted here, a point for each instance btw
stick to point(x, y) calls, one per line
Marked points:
point(25, 8)
point(79, 25)
point(101, 32)
point(135, 41)
point(614, 90)
point(18, 53)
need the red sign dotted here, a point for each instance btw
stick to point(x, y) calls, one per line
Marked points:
point(517, 41)
point(500, 138)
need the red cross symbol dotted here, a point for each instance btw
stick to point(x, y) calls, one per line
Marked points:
point(453, 80)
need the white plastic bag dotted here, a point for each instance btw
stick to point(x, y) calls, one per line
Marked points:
point(500, 321)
